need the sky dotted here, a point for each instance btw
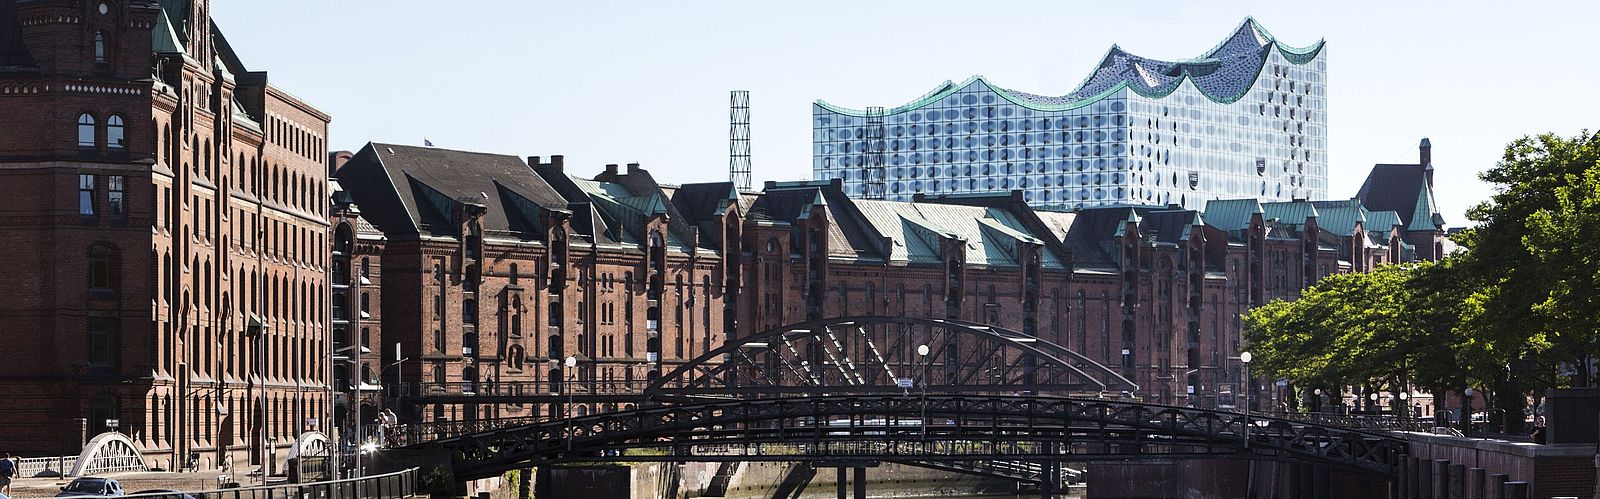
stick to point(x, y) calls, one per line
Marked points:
point(648, 81)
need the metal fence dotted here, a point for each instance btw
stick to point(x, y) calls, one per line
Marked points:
point(398, 484)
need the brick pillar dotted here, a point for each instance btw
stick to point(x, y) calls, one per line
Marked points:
point(1441, 479)
point(1496, 487)
point(1476, 479)
point(1458, 481)
point(1423, 470)
point(1516, 490)
point(1398, 490)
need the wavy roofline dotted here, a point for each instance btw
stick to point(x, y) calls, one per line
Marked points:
point(1296, 55)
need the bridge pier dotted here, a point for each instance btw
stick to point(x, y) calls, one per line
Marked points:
point(861, 482)
point(841, 483)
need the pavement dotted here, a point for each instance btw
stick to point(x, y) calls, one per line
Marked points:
point(138, 481)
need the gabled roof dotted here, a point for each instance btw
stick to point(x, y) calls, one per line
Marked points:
point(1340, 217)
point(1092, 236)
point(415, 190)
point(992, 236)
point(1167, 226)
point(1290, 212)
point(1404, 190)
point(1231, 214)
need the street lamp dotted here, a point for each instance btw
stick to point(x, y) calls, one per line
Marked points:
point(571, 363)
point(1372, 397)
point(1249, 395)
point(1466, 411)
point(922, 354)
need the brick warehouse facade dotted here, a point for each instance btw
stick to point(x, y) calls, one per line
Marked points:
point(495, 270)
point(174, 206)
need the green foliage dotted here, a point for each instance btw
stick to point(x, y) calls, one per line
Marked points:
point(438, 482)
point(1501, 316)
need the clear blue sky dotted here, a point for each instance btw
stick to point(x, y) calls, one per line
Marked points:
point(648, 81)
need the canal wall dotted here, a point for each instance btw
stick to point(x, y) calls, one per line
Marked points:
point(1226, 479)
point(763, 480)
point(1450, 463)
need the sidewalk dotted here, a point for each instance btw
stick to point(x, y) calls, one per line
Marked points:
point(138, 481)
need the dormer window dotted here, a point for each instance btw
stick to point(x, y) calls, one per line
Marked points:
point(100, 47)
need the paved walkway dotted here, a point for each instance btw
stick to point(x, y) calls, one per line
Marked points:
point(137, 481)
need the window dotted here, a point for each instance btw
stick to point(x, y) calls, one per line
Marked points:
point(100, 47)
point(86, 130)
point(102, 350)
point(512, 275)
point(101, 275)
point(114, 193)
point(114, 132)
point(86, 195)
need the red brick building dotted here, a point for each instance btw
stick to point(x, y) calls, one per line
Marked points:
point(632, 278)
point(167, 214)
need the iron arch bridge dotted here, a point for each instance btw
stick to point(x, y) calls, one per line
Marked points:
point(933, 428)
point(875, 354)
point(866, 389)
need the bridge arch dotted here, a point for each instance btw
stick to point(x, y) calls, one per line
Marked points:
point(109, 452)
point(878, 354)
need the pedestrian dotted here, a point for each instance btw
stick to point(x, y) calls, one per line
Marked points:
point(389, 421)
point(1538, 430)
point(8, 471)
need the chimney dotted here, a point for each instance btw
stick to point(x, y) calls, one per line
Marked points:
point(1426, 158)
point(611, 170)
point(559, 162)
point(633, 167)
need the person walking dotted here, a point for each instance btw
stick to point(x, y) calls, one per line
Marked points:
point(8, 471)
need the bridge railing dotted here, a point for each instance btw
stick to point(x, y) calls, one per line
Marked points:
point(416, 433)
point(29, 467)
point(1368, 422)
point(523, 388)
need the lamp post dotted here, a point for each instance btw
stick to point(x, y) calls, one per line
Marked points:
point(1316, 403)
point(571, 363)
point(1372, 398)
point(1466, 411)
point(922, 355)
point(1249, 395)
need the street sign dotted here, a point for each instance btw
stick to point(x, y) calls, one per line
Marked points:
point(113, 423)
point(905, 383)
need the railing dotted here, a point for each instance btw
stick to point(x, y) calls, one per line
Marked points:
point(1356, 421)
point(397, 484)
point(29, 467)
point(411, 434)
point(524, 388)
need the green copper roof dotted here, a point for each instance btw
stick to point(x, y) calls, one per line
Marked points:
point(1231, 214)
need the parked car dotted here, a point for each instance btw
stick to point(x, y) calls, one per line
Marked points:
point(162, 494)
point(92, 486)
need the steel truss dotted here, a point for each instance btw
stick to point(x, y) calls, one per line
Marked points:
point(871, 354)
point(935, 428)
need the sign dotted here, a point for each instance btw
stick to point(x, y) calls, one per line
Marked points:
point(905, 383)
point(113, 423)
point(311, 422)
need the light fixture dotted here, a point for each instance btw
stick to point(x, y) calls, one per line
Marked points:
point(922, 350)
point(1245, 357)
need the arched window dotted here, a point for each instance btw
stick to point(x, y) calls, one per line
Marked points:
point(114, 132)
point(102, 268)
point(100, 47)
point(86, 130)
point(512, 276)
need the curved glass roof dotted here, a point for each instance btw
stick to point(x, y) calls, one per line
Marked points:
point(1223, 74)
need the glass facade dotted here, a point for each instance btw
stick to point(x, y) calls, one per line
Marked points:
point(1246, 120)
